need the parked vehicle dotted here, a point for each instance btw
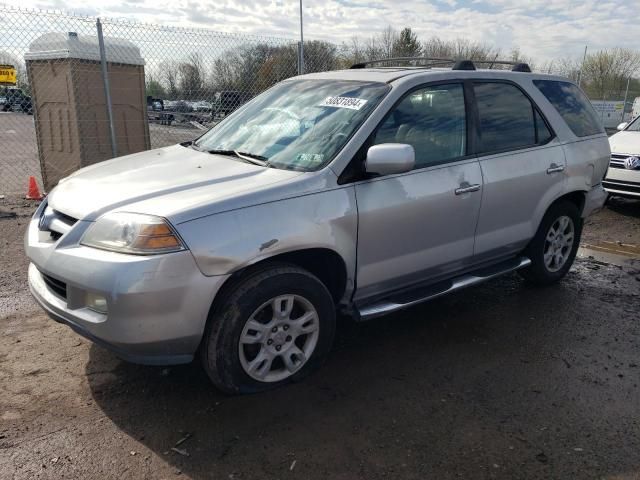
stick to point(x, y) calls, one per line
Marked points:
point(15, 100)
point(227, 101)
point(155, 104)
point(178, 106)
point(623, 176)
point(379, 189)
point(202, 106)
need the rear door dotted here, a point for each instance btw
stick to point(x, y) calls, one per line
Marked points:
point(523, 168)
point(420, 225)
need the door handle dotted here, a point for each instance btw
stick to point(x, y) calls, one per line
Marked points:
point(553, 168)
point(467, 188)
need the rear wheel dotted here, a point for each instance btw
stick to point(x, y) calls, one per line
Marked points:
point(275, 326)
point(554, 247)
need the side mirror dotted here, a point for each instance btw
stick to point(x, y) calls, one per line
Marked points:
point(622, 126)
point(390, 158)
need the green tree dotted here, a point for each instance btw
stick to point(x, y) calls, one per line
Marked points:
point(169, 75)
point(155, 88)
point(605, 72)
point(406, 44)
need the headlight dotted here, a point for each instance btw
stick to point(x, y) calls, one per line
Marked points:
point(132, 233)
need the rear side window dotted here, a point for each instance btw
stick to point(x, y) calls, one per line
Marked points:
point(506, 117)
point(572, 105)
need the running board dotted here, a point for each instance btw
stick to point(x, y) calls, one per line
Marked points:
point(409, 298)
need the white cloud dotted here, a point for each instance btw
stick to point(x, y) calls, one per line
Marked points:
point(541, 28)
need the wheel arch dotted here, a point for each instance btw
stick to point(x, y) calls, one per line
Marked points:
point(577, 197)
point(326, 264)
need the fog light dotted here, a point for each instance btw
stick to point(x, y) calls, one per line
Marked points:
point(96, 302)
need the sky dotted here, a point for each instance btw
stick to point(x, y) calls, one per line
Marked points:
point(542, 29)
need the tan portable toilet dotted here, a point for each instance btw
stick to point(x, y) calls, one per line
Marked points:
point(68, 97)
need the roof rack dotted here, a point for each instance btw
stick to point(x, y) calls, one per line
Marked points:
point(404, 59)
point(457, 64)
point(517, 66)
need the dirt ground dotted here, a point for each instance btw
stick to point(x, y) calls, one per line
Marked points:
point(498, 381)
point(619, 222)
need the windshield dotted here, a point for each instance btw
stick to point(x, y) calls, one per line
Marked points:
point(634, 126)
point(298, 124)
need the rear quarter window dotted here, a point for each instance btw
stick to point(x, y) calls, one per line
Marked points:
point(572, 105)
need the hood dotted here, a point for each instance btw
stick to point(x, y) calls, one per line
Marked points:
point(174, 182)
point(625, 143)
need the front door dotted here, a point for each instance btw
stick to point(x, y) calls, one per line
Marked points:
point(420, 225)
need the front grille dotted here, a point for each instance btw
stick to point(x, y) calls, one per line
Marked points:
point(58, 287)
point(617, 160)
point(55, 222)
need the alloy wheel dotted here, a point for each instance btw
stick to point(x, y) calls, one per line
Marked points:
point(278, 338)
point(559, 243)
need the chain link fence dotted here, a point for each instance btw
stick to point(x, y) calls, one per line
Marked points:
point(167, 85)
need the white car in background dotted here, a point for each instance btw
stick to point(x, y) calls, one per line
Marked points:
point(623, 176)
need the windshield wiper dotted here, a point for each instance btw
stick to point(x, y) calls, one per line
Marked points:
point(253, 158)
point(191, 144)
point(247, 157)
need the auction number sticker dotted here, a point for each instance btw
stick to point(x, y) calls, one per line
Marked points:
point(343, 102)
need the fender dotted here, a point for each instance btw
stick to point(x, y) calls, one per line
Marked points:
point(226, 242)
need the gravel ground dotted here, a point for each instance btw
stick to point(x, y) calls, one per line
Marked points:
point(618, 222)
point(498, 381)
point(19, 155)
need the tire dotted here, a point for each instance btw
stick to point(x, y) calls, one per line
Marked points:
point(236, 356)
point(547, 270)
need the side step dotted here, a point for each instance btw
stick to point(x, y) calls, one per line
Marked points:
point(411, 297)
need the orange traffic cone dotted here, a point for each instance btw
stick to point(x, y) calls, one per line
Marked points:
point(34, 191)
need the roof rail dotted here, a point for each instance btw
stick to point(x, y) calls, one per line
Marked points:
point(403, 59)
point(457, 64)
point(517, 66)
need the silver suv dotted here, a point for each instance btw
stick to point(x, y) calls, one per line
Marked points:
point(363, 191)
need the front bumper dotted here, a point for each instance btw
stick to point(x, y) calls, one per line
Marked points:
point(620, 180)
point(594, 200)
point(157, 305)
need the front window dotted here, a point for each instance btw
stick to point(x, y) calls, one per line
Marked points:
point(432, 120)
point(298, 124)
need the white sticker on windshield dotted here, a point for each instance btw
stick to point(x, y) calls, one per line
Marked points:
point(343, 102)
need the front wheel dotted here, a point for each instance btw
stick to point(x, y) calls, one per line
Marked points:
point(554, 247)
point(275, 326)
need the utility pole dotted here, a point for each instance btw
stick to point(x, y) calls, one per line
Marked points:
point(301, 49)
point(584, 58)
point(107, 89)
point(626, 93)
